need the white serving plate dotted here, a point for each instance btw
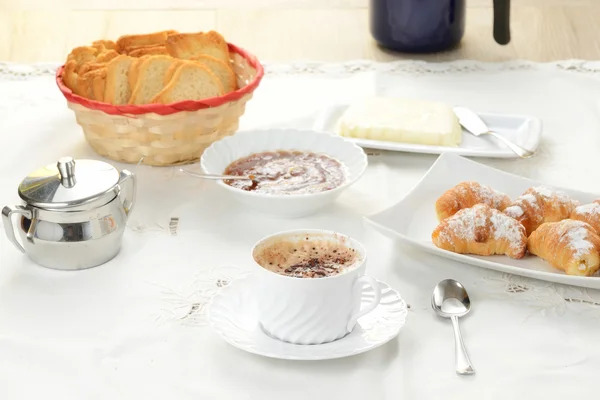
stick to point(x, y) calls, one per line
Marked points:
point(520, 129)
point(414, 218)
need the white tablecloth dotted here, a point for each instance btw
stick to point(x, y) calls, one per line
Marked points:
point(125, 330)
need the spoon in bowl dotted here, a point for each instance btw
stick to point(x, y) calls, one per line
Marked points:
point(450, 300)
point(218, 177)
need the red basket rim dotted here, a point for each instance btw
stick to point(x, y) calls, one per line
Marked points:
point(166, 109)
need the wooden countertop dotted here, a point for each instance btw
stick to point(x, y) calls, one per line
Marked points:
point(288, 30)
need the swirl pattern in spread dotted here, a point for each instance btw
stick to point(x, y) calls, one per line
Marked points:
point(287, 172)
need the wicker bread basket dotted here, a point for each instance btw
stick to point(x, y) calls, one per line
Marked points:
point(170, 134)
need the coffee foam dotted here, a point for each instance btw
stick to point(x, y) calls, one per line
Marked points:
point(307, 257)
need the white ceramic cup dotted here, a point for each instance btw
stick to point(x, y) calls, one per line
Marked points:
point(311, 310)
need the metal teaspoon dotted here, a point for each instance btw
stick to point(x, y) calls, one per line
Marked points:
point(217, 177)
point(474, 125)
point(450, 300)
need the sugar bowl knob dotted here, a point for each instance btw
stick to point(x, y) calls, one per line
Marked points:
point(66, 169)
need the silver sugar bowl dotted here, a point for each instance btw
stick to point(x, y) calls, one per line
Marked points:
point(74, 214)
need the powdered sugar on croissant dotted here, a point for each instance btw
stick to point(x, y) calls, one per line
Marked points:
point(589, 213)
point(467, 194)
point(540, 204)
point(569, 245)
point(481, 230)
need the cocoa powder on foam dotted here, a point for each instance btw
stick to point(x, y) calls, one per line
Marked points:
point(306, 258)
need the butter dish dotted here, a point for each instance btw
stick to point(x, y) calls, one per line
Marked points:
point(523, 130)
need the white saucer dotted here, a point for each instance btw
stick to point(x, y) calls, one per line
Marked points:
point(231, 313)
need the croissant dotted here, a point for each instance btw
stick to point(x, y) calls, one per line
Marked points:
point(467, 194)
point(540, 204)
point(589, 213)
point(569, 245)
point(483, 231)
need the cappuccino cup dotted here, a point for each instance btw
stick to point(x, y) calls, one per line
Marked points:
point(308, 285)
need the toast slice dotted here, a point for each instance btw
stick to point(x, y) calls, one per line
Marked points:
point(117, 89)
point(99, 84)
point(104, 45)
point(150, 79)
point(149, 51)
point(91, 84)
point(189, 45)
point(134, 69)
point(222, 70)
point(84, 86)
point(90, 66)
point(82, 55)
point(171, 71)
point(70, 76)
point(106, 56)
point(191, 81)
point(99, 62)
point(127, 43)
point(96, 83)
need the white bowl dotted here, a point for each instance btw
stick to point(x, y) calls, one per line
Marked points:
point(220, 154)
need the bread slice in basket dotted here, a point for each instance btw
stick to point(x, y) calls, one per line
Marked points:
point(99, 84)
point(70, 76)
point(150, 78)
point(106, 56)
point(99, 62)
point(221, 69)
point(104, 45)
point(86, 71)
point(118, 90)
point(92, 84)
point(149, 51)
point(134, 70)
point(171, 71)
point(190, 81)
point(188, 45)
point(82, 55)
point(129, 43)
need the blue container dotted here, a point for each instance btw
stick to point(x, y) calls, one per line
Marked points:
point(424, 26)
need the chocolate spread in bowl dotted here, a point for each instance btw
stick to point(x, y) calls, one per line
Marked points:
point(287, 172)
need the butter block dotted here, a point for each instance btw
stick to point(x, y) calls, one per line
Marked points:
point(401, 120)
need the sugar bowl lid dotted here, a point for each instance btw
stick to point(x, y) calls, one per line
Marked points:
point(79, 184)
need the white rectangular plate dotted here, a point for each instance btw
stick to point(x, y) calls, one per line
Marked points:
point(413, 219)
point(520, 129)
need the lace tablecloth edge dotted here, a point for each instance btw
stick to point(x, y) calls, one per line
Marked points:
point(19, 71)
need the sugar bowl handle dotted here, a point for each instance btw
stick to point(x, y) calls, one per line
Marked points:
point(128, 185)
point(7, 220)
